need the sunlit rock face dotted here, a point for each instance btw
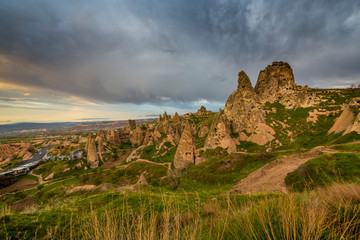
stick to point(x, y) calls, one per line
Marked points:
point(242, 109)
point(219, 134)
point(276, 80)
point(185, 153)
point(90, 148)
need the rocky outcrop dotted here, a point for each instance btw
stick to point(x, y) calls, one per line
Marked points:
point(355, 126)
point(90, 148)
point(130, 125)
point(347, 121)
point(219, 134)
point(112, 136)
point(142, 179)
point(185, 153)
point(242, 109)
point(170, 126)
point(202, 111)
point(137, 136)
point(203, 130)
point(275, 81)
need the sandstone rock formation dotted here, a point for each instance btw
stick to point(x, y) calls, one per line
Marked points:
point(275, 81)
point(202, 111)
point(142, 179)
point(347, 121)
point(219, 134)
point(90, 148)
point(130, 125)
point(355, 126)
point(185, 153)
point(242, 109)
point(203, 130)
point(137, 136)
point(113, 137)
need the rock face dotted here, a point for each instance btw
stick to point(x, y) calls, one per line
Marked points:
point(219, 134)
point(347, 121)
point(170, 126)
point(203, 130)
point(90, 148)
point(113, 137)
point(202, 111)
point(130, 125)
point(142, 180)
point(355, 126)
point(275, 81)
point(242, 108)
point(185, 153)
point(137, 136)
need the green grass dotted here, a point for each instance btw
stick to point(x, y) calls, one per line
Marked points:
point(250, 147)
point(200, 142)
point(325, 169)
point(222, 171)
point(353, 147)
point(150, 213)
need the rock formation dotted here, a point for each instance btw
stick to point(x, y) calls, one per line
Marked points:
point(130, 125)
point(242, 109)
point(112, 136)
point(202, 111)
point(137, 136)
point(142, 179)
point(219, 134)
point(185, 153)
point(347, 121)
point(275, 81)
point(203, 130)
point(90, 148)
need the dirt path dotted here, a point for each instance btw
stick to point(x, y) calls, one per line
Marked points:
point(40, 178)
point(166, 165)
point(271, 177)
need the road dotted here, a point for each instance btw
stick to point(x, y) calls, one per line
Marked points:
point(26, 165)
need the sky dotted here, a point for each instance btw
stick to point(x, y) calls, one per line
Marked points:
point(89, 60)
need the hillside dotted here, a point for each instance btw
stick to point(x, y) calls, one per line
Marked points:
point(253, 170)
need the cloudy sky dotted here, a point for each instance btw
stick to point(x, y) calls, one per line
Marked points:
point(82, 60)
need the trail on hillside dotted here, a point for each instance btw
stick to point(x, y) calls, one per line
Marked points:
point(40, 178)
point(271, 177)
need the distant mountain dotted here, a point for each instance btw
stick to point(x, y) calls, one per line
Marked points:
point(5, 128)
point(26, 128)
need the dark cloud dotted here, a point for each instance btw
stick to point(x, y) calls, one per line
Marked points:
point(174, 51)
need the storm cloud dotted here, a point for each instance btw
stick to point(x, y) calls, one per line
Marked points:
point(160, 51)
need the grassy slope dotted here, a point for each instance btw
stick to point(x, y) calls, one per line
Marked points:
point(325, 169)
